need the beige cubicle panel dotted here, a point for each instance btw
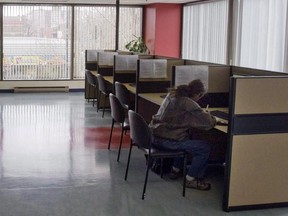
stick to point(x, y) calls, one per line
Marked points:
point(263, 99)
point(257, 164)
point(259, 169)
point(218, 78)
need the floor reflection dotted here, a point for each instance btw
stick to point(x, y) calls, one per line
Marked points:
point(43, 144)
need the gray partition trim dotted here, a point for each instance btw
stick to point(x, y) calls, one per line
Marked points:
point(260, 124)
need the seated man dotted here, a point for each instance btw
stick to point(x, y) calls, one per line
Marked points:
point(170, 127)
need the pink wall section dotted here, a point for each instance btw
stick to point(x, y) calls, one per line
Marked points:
point(162, 29)
point(149, 28)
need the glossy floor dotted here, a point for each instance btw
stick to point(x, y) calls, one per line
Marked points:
point(54, 161)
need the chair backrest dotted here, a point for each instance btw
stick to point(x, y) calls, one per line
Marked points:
point(122, 94)
point(117, 109)
point(139, 130)
point(101, 83)
point(90, 78)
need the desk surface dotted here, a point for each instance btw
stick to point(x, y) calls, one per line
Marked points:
point(94, 72)
point(109, 79)
point(130, 87)
point(157, 99)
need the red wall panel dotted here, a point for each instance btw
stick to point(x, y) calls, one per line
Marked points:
point(163, 29)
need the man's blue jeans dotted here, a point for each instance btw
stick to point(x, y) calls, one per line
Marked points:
point(200, 151)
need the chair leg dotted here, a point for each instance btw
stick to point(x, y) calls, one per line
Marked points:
point(146, 177)
point(112, 126)
point(98, 101)
point(161, 168)
point(120, 144)
point(88, 93)
point(184, 175)
point(128, 160)
point(94, 96)
point(104, 106)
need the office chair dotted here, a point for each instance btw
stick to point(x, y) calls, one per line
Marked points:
point(103, 90)
point(118, 116)
point(92, 81)
point(122, 93)
point(141, 136)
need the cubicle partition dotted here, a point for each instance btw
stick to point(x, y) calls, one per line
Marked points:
point(216, 78)
point(105, 62)
point(153, 76)
point(256, 167)
point(194, 62)
point(91, 63)
point(91, 59)
point(125, 67)
point(242, 71)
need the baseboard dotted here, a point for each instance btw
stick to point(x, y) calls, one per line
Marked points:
point(42, 89)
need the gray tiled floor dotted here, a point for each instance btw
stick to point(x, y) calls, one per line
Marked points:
point(47, 167)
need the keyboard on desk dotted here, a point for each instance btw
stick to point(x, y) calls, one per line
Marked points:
point(220, 114)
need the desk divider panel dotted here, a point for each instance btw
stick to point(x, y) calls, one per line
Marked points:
point(125, 67)
point(90, 64)
point(105, 63)
point(91, 59)
point(152, 81)
point(257, 162)
point(218, 82)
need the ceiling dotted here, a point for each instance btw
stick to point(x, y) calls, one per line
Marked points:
point(129, 2)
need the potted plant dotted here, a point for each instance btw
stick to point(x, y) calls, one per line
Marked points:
point(137, 45)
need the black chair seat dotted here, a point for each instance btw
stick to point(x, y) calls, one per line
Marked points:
point(92, 81)
point(141, 137)
point(118, 116)
point(122, 93)
point(103, 90)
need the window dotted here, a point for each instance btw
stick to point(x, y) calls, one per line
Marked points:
point(260, 34)
point(205, 31)
point(36, 42)
point(130, 24)
point(95, 29)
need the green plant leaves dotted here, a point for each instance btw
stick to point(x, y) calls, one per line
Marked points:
point(137, 45)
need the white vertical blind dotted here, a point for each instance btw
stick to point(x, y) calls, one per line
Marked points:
point(260, 34)
point(130, 24)
point(205, 31)
point(95, 29)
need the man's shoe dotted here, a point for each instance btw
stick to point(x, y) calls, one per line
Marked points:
point(175, 175)
point(198, 184)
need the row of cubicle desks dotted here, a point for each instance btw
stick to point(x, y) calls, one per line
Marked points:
point(253, 146)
